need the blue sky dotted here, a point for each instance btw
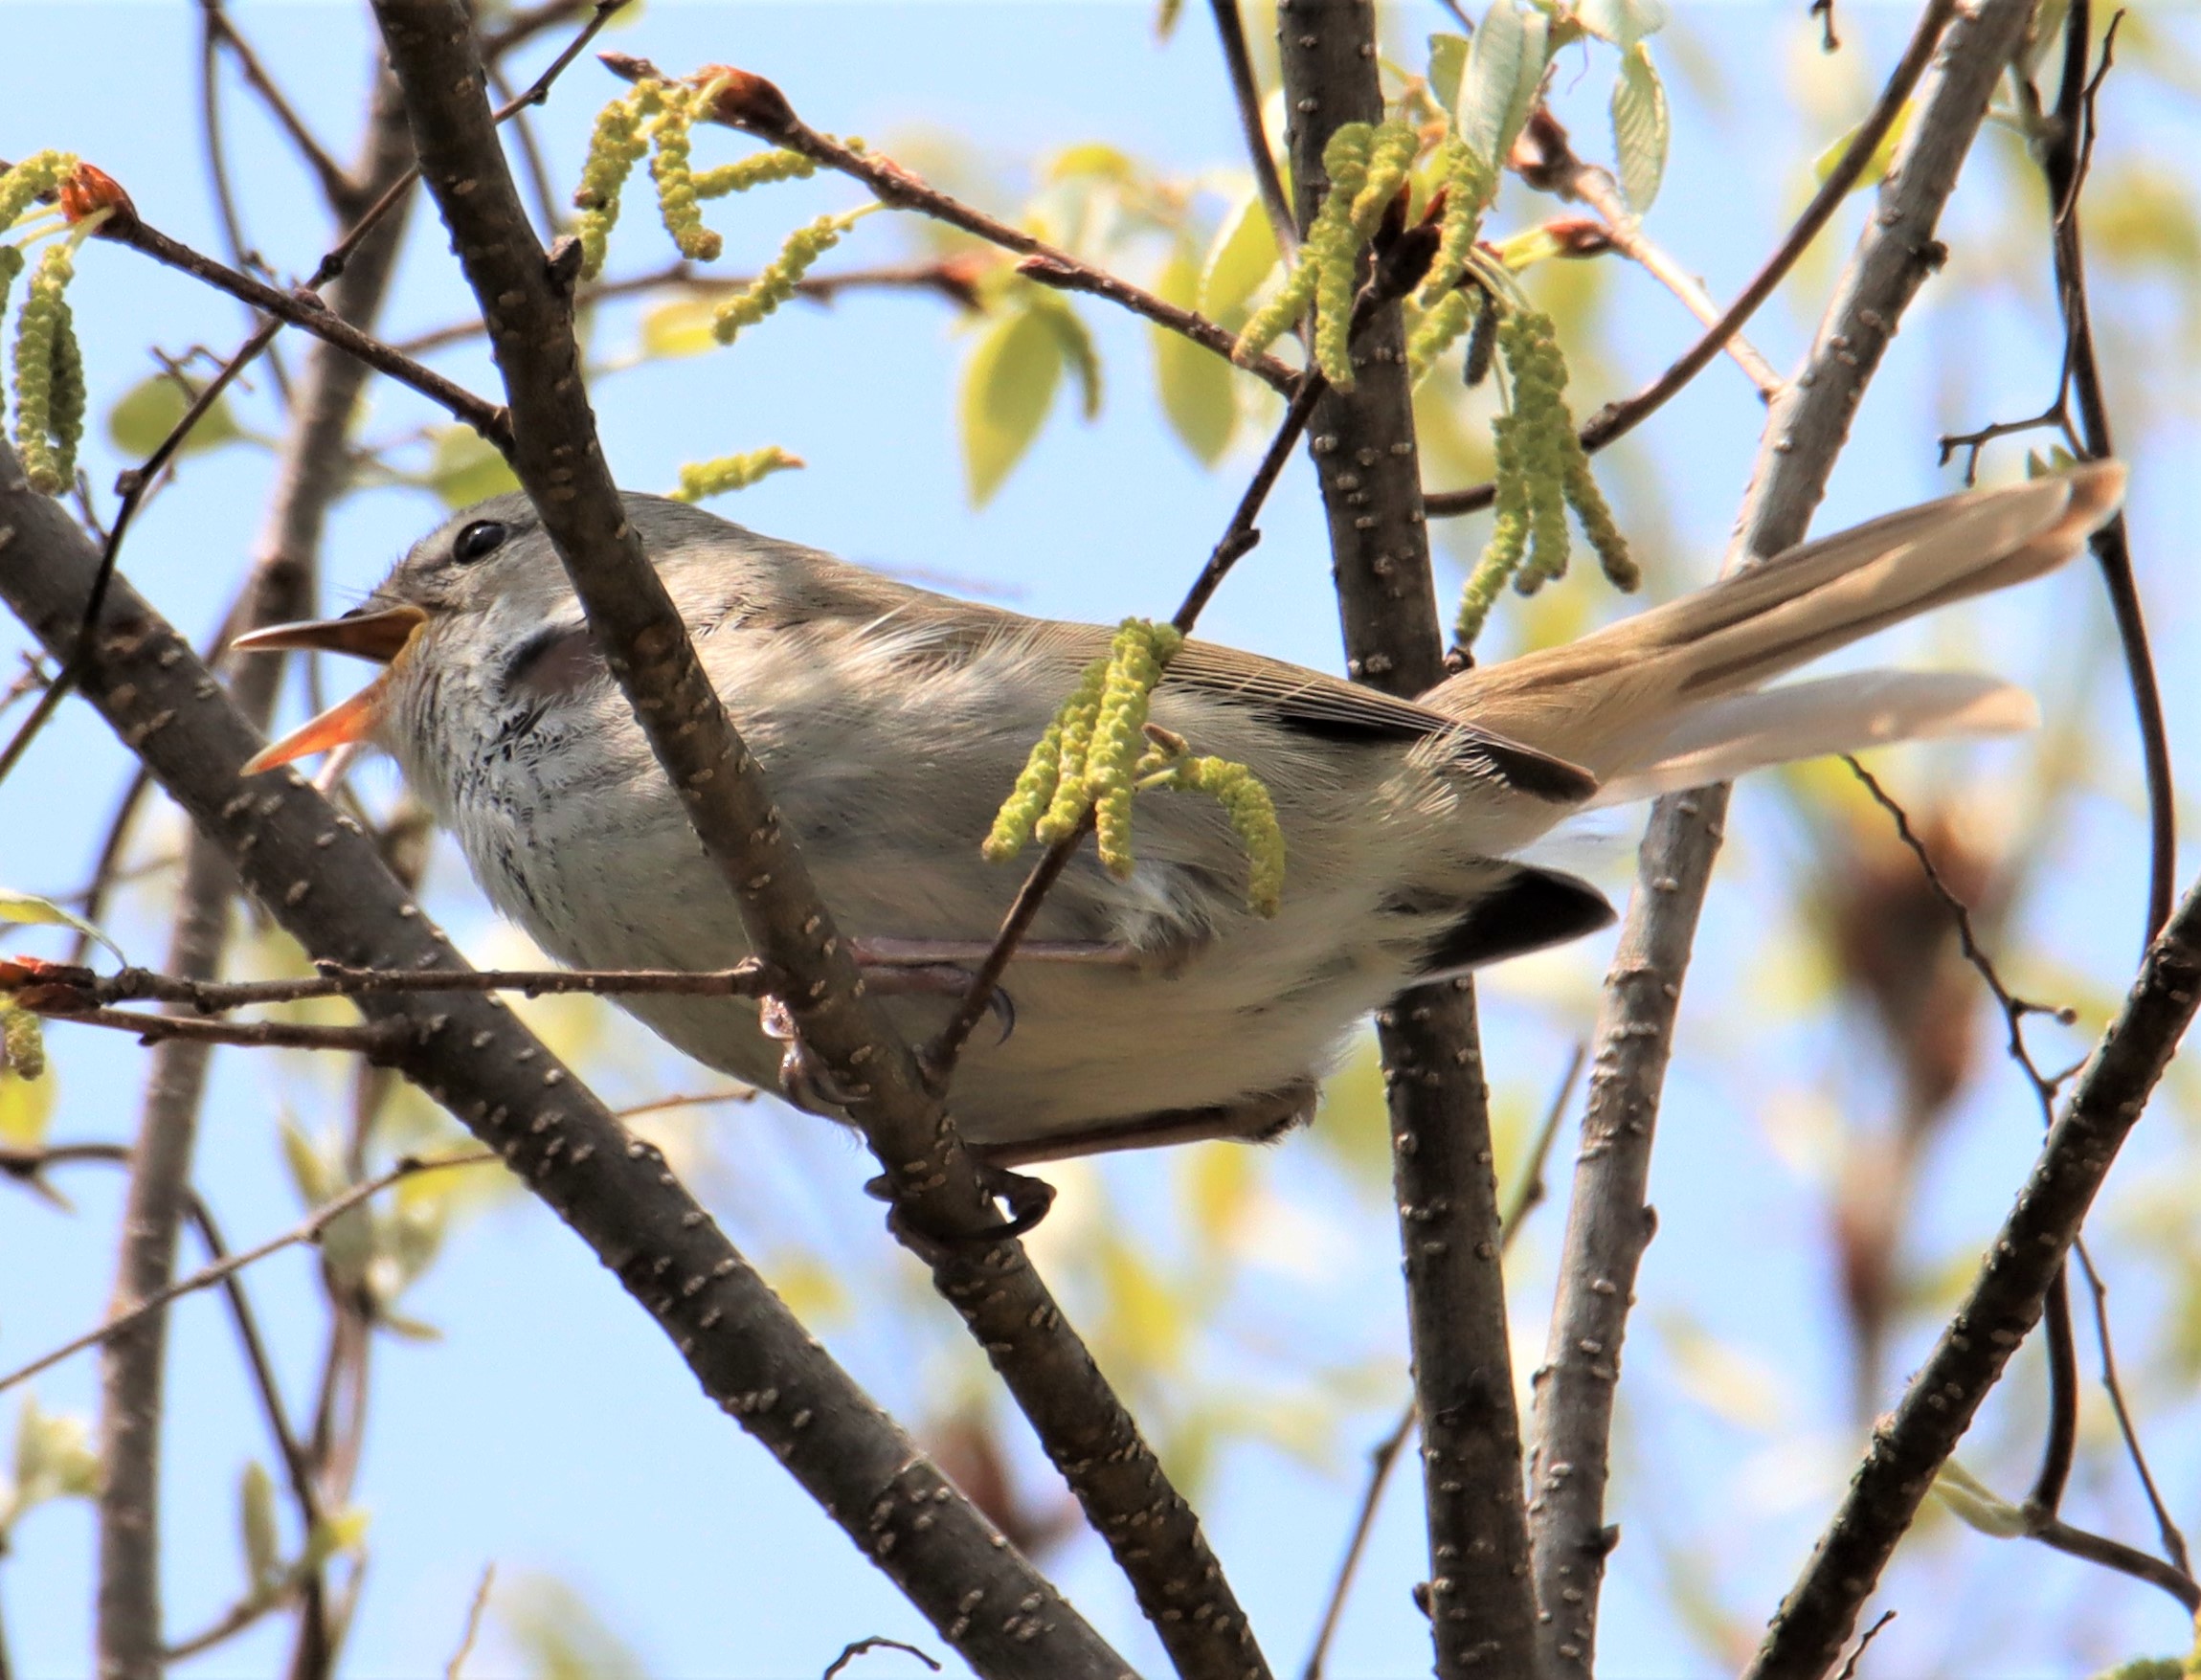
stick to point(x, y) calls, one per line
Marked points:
point(552, 1429)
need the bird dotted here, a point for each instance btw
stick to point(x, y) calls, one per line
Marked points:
point(891, 721)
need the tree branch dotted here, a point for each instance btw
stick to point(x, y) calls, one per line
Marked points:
point(2002, 1304)
point(1481, 1611)
point(1246, 93)
point(943, 1210)
point(755, 106)
point(323, 881)
point(1608, 1224)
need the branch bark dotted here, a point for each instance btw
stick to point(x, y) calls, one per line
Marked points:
point(943, 1208)
point(1608, 1224)
point(1482, 1614)
point(313, 469)
point(322, 880)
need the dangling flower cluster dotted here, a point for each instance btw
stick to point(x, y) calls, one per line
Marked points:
point(732, 472)
point(1541, 470)
point(49, 376)
point(22, 1047)
point(658, 117)
point(1366, 165)
point(1100, 750)
point(1452, 307)
point(777, 282)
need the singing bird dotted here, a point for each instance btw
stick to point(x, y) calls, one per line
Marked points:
point(890, 723)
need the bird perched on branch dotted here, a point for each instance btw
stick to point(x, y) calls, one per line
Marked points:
point(890, 723)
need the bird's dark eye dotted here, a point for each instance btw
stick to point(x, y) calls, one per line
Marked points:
point(478, 541)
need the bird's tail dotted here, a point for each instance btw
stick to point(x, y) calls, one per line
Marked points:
point(1674, 697)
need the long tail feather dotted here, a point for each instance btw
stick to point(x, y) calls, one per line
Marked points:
point(1680, 683)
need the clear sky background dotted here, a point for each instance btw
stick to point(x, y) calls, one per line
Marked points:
point(553, 1430)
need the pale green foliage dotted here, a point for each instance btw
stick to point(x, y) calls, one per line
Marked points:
point(31, 911)
point(144, 415)
point(1194, 384)
point(1641, 127)
point(1977, 1504)
point(1010, 381)
point(699, 479)
point(464, 467)
point(1504, 74)
point(558, 1636)
point(54, 1460)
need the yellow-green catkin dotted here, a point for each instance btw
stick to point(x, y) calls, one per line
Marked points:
point(732, 472)
point(776, 283)
point(1136, 661)
point(21, 184)
point(1253, 814)
point(1501, 555)
point(1467, 184)
point(671, 135)
point(616, 145)
point(760, 171)
point(49, 376)
point(1597, 525)
point(1274, 318)
point(1391, 150)
point(1450, 316)
point(1334, 248)
point(1028, 801)
point(1066, 809)
point(22, 1045)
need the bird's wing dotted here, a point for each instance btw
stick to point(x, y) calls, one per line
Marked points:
point(1314, 705)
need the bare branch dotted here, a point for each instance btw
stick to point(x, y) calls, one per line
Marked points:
point(1608, 1224)
point(1245, 92)
point(336, 187)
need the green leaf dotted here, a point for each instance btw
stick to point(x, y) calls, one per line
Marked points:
point(32, 910)
point(1505, 68)
point(681, 327)
point(26, 1110)
point(1243, 256)
point(146, 414)
point(1640, 127)
point(465, 468)
point(1447, 62)
point(54, 1460)
point(1976, 1504)
point(255, 1521)
point(312, 1168)
point(343, 1530)
point(1008, 387)
point(1077, 345)
point(1195, 383)
point(1622, 22)
point(1091, 160)
point(1876, 167)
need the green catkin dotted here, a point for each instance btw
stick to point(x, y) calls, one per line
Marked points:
point(22, 1045)
point(776, 283)
point(732, 472)
point(1466, 186)
point(1452, 315)
point(45, 346)
point(1391, 150)
point(760, 171)
point(1597, 525)
point(1253, 814)
point(1078, 715)
point(1134, 665)
point(614, 147)
point(1333, 248)
point(1028, 801)
point(22, 184)
point(1502, 554)
point(1274, 318)
point(670, 134)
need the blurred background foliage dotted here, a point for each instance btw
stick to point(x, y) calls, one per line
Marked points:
point(1842, 1102)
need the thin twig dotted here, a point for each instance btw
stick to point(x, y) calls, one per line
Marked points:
point(374, 1039)
point(305, 1230)
point(50, 989)
point(474, 1613)
point(1615, 420)
point(2166, 1528)
point(757, 107)
point(1246, 93)
point(877, 1641)
point(337, 186)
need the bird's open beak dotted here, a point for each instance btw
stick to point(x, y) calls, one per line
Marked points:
point(382, 636)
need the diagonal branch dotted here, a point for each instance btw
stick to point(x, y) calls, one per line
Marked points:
point(323, 881)
point(1481, 1611)
point(943, 1208)
point(1608, 1224)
